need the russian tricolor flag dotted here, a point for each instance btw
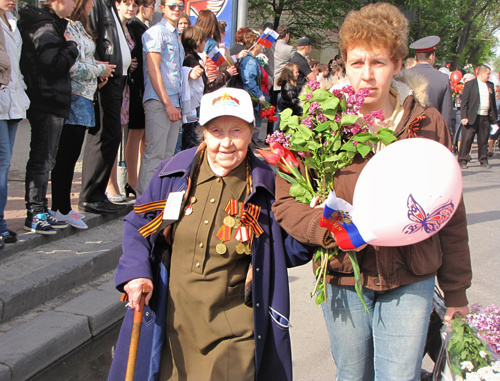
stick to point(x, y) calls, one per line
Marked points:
point(268, 37)
point(216, 56)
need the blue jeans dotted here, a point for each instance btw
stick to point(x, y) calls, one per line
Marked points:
point(8, 130)
point(385, 344)
point(45, 133)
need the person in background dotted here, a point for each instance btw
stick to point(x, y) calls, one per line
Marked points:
point(409, 63)
point(478, 111)
point(46, 59)
point(127, 9)
point(84, 74)
point(208, 22)
point(251, 77)
point(314, 65)
point(164, 56)
point(222, 45)
point(289, 89)
point(103, 140)
point(495, 128)
point(304, 47)
point(238, 41)
point(183, 23)
point(387, 342)
point(193, 41)
point(14, 103)
point(135, 141)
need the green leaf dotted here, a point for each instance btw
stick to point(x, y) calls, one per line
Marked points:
point(363, 149)
point(343, 105)
point(349, 147)
point(293, 120)
point(386, 136)
point(286, 113)
point(330, 114)
point(357, 276)
point(287, 177)
point(336, 145)
point(320, 95)
point(317, 257)
point(348, 120)
point(330, 104)
point(338, 157)
point(362, 137)
point(323, 126)
point(297, 139)
point(320, 297)
point(305, 131)
point(310, 163)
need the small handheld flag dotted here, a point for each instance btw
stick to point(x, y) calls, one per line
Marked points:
point(216, 56)
point(268, 37)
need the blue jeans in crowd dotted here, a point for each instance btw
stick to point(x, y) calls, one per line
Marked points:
point(8, 130)
point(388, 342)
point(45, 133)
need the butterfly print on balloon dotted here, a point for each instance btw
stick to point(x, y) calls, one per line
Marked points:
point(430, 223)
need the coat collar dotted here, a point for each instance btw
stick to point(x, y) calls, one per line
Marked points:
point(262, 175)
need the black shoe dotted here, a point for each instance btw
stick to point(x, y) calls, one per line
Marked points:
point(98, 207)
point(112, 205)
point(463, 166)
point(469, 158)
point(11, 237)
point(490, 153)
point(129, 190)
point(486, 165)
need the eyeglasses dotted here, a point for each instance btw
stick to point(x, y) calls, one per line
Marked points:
point(175, 5)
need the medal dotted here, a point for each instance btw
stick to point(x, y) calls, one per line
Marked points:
point(193, 199)
point(220, 248)
point(188, 210)
point(248, 251)
point(240, 248)
point(229, 221)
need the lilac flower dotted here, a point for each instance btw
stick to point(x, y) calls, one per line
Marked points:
point(321, 117)
point(355, 143)
point(373, 117)
point(355, 129)
point(313, 107)
point(302, 154)
point(337, 93)
point(309, 96)
point(313, 85)
point(487, 323)
point(279, 137)
point(308, 122)
point(338, 117)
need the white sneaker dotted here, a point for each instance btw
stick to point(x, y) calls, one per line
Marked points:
point(72, 219)
point(81, 216)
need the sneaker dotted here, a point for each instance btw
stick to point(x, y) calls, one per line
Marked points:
point(72, 219)
point(81, 216)
point(37, 223)
point(54, 222)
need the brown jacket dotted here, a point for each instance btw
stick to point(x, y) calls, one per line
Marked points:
point(445, 254)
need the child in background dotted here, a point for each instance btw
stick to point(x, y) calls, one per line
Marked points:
point(289, 89)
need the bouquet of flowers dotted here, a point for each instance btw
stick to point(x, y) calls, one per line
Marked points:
point(469, 68)
point(327, 138)
point(268, 112)
point(456, 90)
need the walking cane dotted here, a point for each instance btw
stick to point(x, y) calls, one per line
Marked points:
point(136, 333)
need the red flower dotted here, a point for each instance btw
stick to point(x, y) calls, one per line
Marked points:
point(279, 155)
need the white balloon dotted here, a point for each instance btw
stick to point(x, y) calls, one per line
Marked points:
point(407, 192)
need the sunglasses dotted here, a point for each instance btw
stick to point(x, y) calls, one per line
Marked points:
point(174, 5)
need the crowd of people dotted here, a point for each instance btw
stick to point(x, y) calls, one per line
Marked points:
point(87, 69)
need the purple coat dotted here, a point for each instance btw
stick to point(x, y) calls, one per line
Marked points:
point(272, 254)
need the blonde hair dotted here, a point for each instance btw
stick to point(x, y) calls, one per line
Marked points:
point(380, 25)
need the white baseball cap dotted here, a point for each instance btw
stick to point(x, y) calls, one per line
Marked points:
point(227, 101)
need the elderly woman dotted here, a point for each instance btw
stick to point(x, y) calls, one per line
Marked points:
point(398, 282)
point(224, 313)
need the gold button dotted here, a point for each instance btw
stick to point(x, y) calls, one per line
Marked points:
point(218, 179)
point(206, 222)
point(197, 265)
point(212, 200)
point(201, 244)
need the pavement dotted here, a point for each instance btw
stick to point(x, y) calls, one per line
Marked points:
point(57, 293)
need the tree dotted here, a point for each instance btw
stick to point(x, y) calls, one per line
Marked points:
point(317, 19)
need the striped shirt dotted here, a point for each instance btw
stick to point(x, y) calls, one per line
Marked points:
point(163, 38)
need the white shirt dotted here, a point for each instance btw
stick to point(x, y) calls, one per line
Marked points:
point(484, 98)
point(126, 57)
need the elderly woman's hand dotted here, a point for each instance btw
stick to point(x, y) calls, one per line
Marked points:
point(134, 291)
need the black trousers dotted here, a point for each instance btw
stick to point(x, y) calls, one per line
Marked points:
point(70, 146)
point(45, 132)
point(103, 141)
point(481, 127)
